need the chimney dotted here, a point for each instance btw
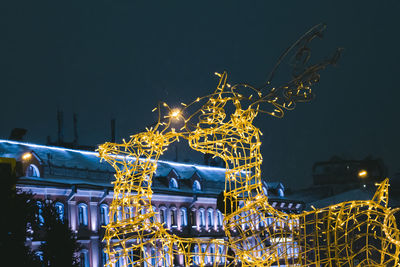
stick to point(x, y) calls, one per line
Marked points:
point(17, 134)
point(75, 118)
point(113, 130)
point(60, 127)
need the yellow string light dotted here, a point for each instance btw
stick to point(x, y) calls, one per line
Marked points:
point(354, 233)
point(347, 234)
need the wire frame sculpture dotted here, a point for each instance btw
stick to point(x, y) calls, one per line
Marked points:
point(353, 233)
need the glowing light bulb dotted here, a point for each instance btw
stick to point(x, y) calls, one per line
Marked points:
point(362, 174)
point(27, 156)
point(175, 113)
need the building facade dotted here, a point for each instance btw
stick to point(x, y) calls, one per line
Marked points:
point(80, 186)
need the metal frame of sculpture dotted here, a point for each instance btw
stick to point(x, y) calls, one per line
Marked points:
point(347, 234)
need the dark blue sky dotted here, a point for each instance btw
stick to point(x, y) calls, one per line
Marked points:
point(106, 59)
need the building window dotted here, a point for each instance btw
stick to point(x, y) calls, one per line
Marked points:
point(173, 183)
point(120, 260)
point(196, 257)
point(119, 213)
point(196, 186)
point(104, 257)
point(152, 218)
point(83, 214)
point(265, 190)
point(212, 254)
point(204, 258)
point(193, 221)
point(280, 192)
point(219, 218)
point(153, 257)
point(173, 217)
point(133, 257)
point(104, 214)
point(84, 258)
point(60, 210)
point(221, 253)
point(163, 216)
point(40, 218)
point(202, 218)
point(210, 217)
point(183, 217)
point(32, 171)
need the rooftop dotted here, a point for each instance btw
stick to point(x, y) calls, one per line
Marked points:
point(67, 167)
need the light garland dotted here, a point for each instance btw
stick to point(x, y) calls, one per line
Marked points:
point(347, 234)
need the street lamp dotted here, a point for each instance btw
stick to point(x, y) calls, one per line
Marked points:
point(362, 174)
point(27, 156)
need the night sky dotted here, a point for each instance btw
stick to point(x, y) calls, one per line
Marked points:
point(117, 59)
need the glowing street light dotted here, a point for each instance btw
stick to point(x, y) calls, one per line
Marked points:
point(175, 113)
point(27, 156)
point(362, 174)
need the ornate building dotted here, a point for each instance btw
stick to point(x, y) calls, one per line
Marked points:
point(185, 196)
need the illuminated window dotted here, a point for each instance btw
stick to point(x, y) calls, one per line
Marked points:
point(212, 252)
point(204, 258)
point(219, 218)
point(104, 214)
point(84, 258)
point(173, 217)
point(163, 215)
point(210, 217)
point(104, 257)
point(183, 216)
point(202, 218)
point(173, 183)
point(152, 218)
point(32, 171)
point(280, 192)
point(82, 214)
point(196, 186)
point(221, 252)
point(60, 210)
point(196, 257)
point(193, 219)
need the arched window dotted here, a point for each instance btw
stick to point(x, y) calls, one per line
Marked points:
point(183, 216)
point(204, 258)
point(210, 218)
point(202, 218)
point(40, 217)
point(173, 183)
point(82, 214)
point(119, 213)
point(32, 171)
point(172, 213)
point(212, 254)
point(153, 256)
point(84, 258)
point(104, 257)
point(163, 216)
point(265, 190)
point(219, 218)
point(193, 218)
point(196, 186)
point(153, 218)
point(60, 210)
point(196, 257)
point(120, 260)
point(221, 253)
point(280, 192)
point(104, 214)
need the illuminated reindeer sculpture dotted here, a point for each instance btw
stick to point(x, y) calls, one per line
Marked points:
point(360, 233)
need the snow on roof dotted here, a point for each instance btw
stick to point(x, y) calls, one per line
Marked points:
point(71, 166)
